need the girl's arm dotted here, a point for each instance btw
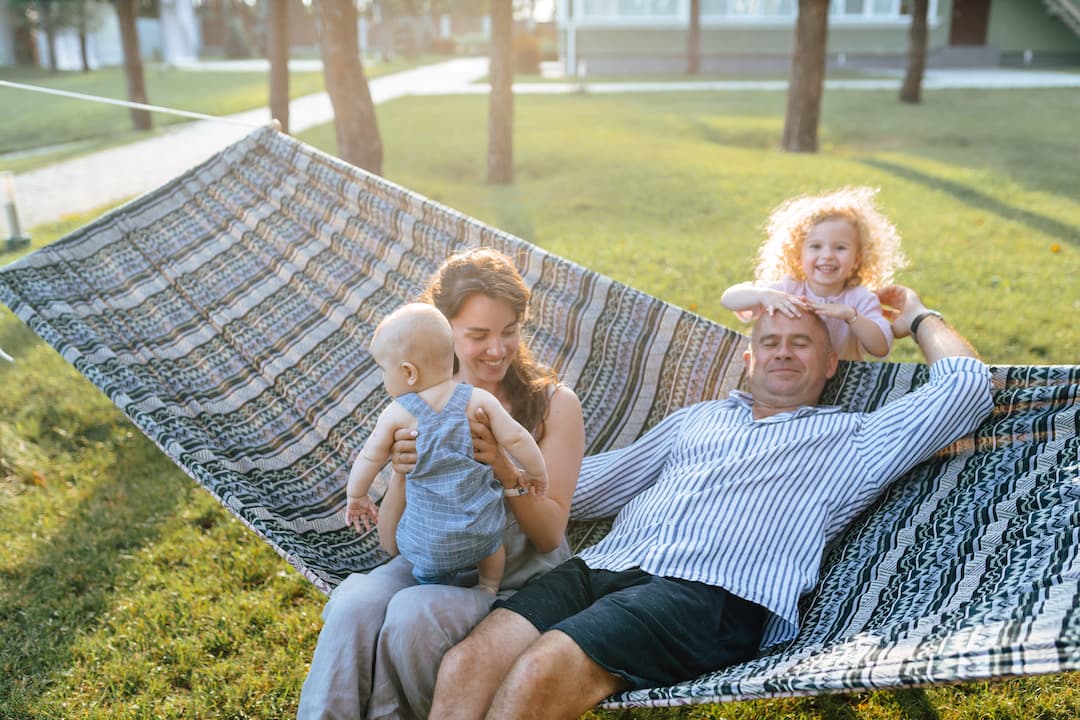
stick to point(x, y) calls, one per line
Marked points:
point(864, 318)
point(543, 518)
point(749, 300)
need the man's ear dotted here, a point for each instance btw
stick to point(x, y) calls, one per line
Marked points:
point(412, 373)
point(834, 360)
point(747, 355)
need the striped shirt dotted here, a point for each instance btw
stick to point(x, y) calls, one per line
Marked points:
point(712, 495)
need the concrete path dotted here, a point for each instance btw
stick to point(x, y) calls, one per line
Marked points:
point(85, 183)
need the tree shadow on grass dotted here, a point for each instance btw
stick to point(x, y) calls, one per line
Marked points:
point(64, 587)
point(1055, 228)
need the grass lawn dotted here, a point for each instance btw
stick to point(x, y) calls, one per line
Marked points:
point(128, 592)
point(45, 128)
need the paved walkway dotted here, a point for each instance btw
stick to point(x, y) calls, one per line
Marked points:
point(109, 176)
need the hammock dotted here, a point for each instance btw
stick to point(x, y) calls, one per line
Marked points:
point(227, 313)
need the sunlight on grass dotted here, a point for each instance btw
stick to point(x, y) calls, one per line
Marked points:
point(129, 592)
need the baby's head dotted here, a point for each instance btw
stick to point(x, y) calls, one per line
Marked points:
point(414, 348)
point(878, 254)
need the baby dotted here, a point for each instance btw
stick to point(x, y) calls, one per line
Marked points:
point(826, 254)
point(454, 514)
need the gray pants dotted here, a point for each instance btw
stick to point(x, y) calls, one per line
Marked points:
point(382, 640)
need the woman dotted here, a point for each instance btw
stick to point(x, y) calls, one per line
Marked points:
point(383, 634)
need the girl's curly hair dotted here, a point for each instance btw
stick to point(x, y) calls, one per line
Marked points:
point(880, 256)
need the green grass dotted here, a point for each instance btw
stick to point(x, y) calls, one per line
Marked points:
point(46, 128)
point(669, 192)
point(128, 592)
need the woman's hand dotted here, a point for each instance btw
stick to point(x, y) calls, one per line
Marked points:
point(486, 450)
point(403, 451)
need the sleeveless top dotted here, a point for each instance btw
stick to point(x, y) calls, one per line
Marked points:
point(454, 512)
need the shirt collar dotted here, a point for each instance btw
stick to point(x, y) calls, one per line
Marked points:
point(746, 401)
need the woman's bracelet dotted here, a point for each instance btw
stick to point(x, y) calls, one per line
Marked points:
point(517, 489)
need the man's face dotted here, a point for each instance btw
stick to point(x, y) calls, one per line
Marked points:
point(789, 361)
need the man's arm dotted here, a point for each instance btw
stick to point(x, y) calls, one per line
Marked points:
point(611, 479)
point(934, 336)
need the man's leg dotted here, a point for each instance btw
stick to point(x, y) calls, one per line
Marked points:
point(472, 670)
point(553, 678)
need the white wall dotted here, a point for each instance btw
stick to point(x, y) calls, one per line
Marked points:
point(7, 38)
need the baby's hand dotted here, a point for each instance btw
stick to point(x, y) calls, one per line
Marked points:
point(538, 484)
point(361, 514)
point(774, 300)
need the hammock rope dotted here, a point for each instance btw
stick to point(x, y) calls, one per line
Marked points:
point(226, 312)
point(127, 103)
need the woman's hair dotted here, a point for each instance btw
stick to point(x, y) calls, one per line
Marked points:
point(489, 272)
point(879, 254)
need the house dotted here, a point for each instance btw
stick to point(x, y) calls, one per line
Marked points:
point(650, 36)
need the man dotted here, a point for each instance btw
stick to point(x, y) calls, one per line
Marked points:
point(724, 509)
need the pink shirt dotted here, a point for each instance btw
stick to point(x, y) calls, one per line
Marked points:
point(858, 297)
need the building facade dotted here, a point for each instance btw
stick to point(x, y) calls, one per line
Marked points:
point(650, 36)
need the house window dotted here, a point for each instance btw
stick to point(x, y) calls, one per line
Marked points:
point(873, 9)
point(631, 8)
point(748, 8)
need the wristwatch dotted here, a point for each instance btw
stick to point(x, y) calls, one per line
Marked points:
point(918, 321)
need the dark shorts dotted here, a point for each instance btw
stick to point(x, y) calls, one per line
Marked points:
point(652, 631)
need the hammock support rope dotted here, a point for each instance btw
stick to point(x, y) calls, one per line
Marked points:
point(227, 313)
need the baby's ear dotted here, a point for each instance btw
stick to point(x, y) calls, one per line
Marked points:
point(412, 374)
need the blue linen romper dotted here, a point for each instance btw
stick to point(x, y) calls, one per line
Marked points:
point(454, 513)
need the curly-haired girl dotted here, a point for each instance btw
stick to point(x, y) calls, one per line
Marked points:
point(826, 254)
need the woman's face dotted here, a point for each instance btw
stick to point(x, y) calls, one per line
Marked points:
point(486, 338)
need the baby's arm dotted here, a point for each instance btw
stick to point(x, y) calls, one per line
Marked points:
point(516, 439)
point(390, 510)
point(749, 300)
point(360, 511)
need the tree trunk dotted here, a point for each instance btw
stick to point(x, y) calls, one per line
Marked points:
point(133, 67)
point(911, 90)
point(693, 39)
point(278, 50)
point(84, 55)
point(49, 27)
point(354, 113)
point(501, 112)
point(807, 77)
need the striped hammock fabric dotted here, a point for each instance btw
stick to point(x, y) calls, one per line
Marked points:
point(227, 315)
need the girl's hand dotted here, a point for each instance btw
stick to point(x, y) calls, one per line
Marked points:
point(838, 311)
point(403, 451)
point(776, 300)
point(486, 450)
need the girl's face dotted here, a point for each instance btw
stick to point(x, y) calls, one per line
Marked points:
point(830, 254)
point(486, 338)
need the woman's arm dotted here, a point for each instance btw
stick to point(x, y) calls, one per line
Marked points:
point(543, 519)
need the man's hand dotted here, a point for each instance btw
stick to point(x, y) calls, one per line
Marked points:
point(403, 451)
point(900, 305)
